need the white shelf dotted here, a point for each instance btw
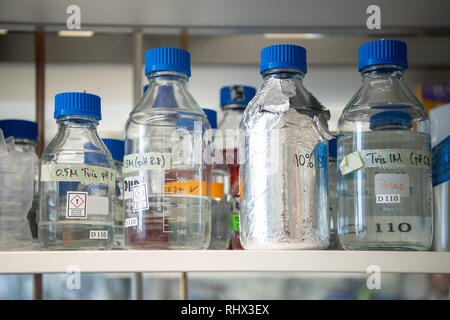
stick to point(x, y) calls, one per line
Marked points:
point(223, 261)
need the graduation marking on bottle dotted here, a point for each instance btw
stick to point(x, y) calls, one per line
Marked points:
point(194, 188)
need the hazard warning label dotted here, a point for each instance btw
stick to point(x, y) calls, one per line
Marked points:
point(140, 197)
point(76, 205)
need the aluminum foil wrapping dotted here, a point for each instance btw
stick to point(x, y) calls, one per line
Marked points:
point(283, 151)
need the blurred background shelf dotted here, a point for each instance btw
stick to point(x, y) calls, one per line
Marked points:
point(223, 261)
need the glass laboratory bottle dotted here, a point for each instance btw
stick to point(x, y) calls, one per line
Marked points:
point(25, 134)
point(116, 148)
point(77, 179)
point(220, 194)
point(385, 196)
point(167, 181)
point(283, 157)
point(332, 192)
point(233, 101)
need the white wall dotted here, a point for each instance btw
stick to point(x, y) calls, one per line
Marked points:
point(333, 86)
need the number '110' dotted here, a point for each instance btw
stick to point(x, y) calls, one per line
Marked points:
point(402, 227)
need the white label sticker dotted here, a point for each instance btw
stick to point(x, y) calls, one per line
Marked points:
point(98, 205)
point(140, 197)
point(98, 234)
point(128, 186)
point(392, 184)
point(351, 162)
point(388, 198)
point(131, 222)
point(76, 206)
point(149, 161)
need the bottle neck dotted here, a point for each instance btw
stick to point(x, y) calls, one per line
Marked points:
point(167, 78)
point(77, 122)
point(284, 73)
point(25, 145)
point(383, 72)
point(234, 107)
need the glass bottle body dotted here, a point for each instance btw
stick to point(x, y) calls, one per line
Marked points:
point(220, 207)
point(164, 163)
point(283, 156)
point(119, 211)
point(333, 202)
point(76, 190)
point(29, 146)
point(229, 127)
point(385, 203)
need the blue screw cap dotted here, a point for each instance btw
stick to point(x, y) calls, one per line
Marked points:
point(116, 147)
point(77, 103)
point(237, 95)
point(212, 117)
point(383, 52)
point(283, 56)
point(168, 59)
point(19, 129)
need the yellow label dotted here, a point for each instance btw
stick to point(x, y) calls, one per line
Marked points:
point(241, 188)
point(195, 188)
point(216, 190)
point(78, 173)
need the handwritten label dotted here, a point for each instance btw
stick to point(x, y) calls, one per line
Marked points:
point(386, 184)
point(149, 161)
point(78, 173)
point(385, 159)
point(396, 158)
point(195, 188)
point(304, 160)
point(309, 160)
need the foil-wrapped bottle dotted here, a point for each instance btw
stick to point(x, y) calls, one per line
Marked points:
point(283, 157)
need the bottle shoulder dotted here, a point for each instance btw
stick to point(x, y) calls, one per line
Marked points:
point(393, 98)
point(77, 147)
